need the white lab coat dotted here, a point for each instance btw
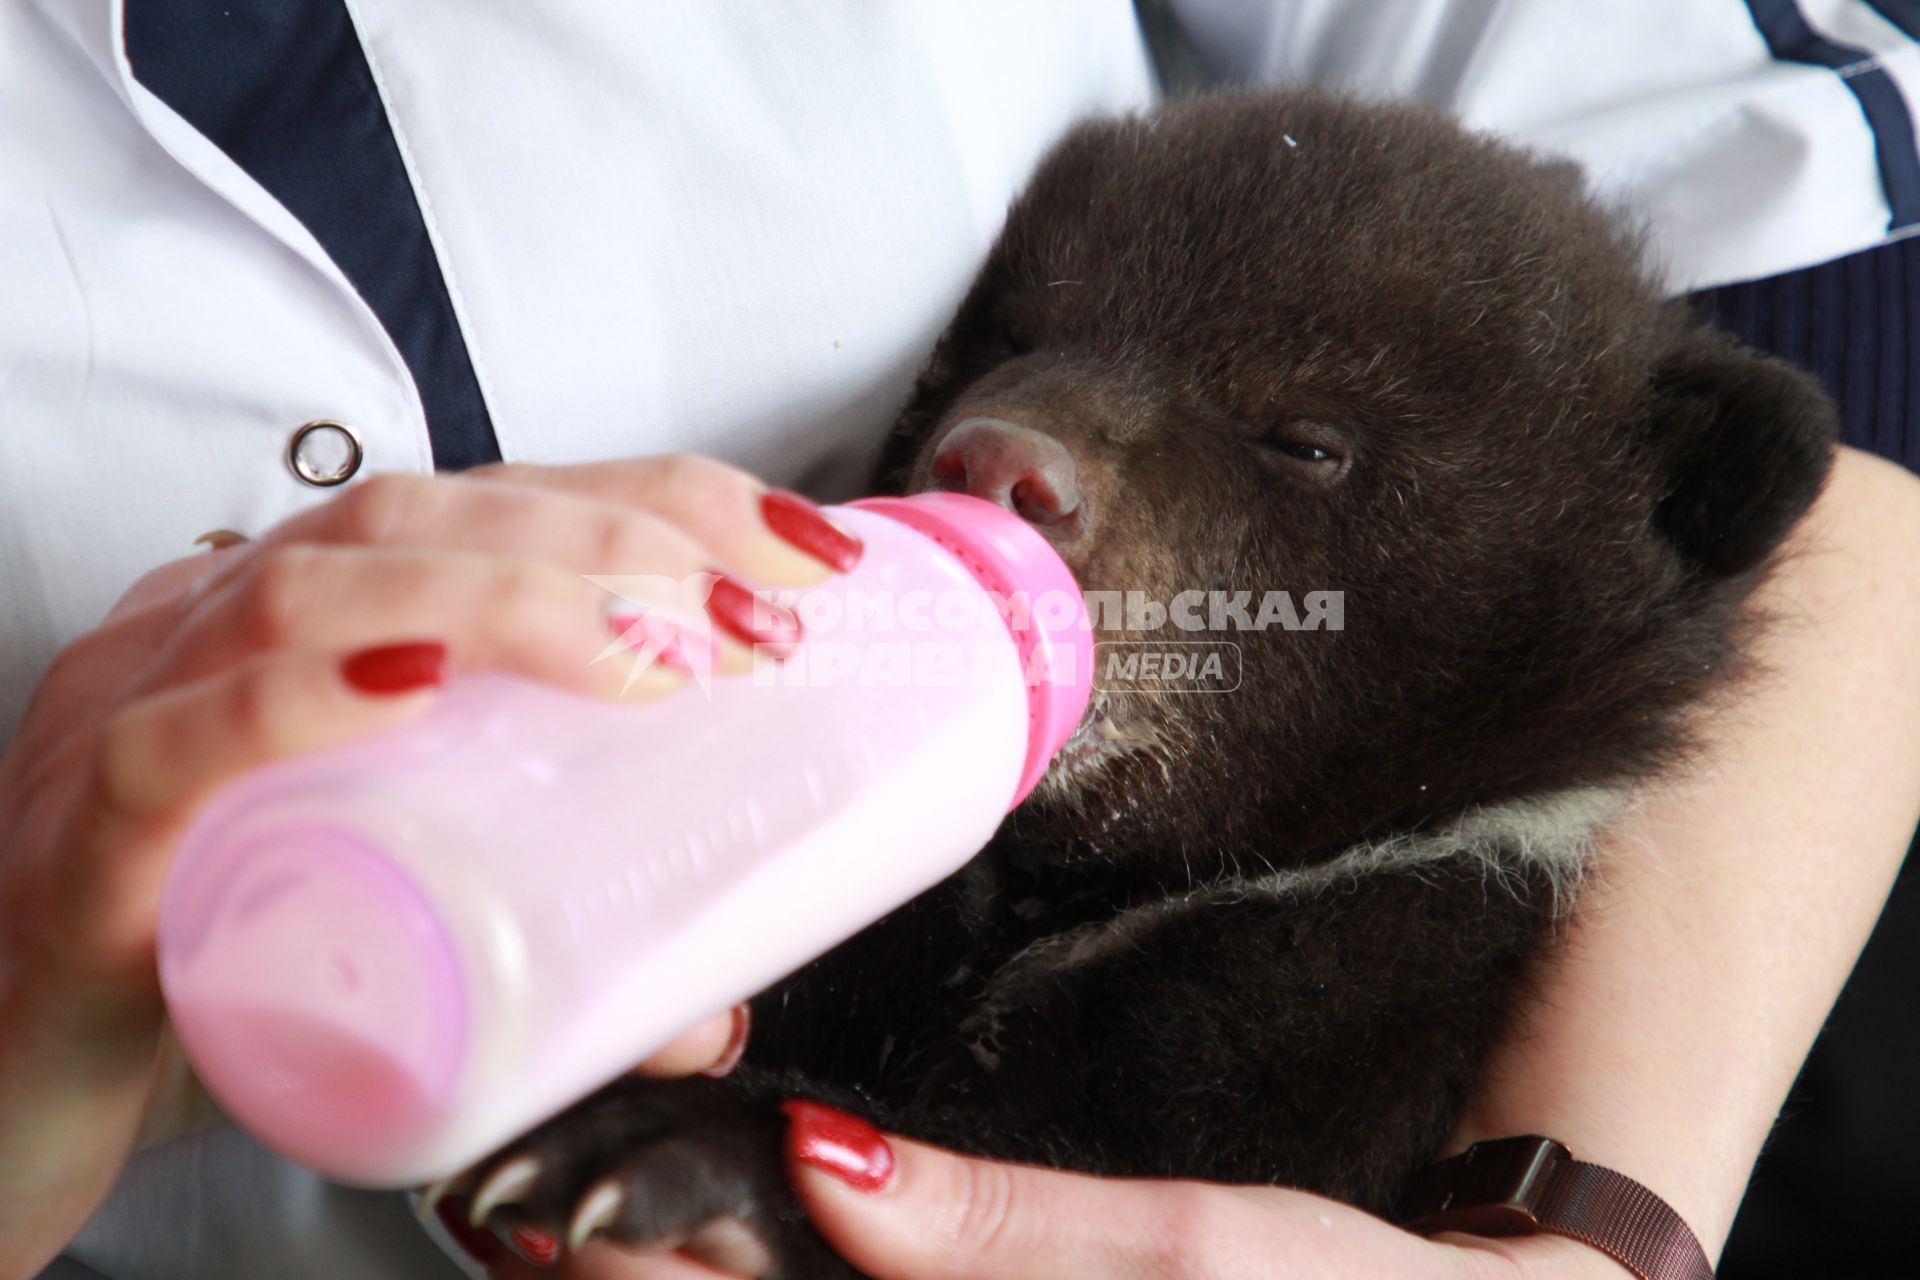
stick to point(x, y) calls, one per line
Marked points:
point(692, 224)
point(1740, 163)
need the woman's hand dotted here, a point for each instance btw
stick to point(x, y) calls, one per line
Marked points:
point(336, 624)
point(901, 1210)
point(940, 1216)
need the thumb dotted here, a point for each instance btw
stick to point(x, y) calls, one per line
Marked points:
point(901, 1210)
point(713, 1048)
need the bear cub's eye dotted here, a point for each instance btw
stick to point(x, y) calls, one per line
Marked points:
point(1313, 448)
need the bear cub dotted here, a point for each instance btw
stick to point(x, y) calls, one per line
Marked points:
point(1252, 344)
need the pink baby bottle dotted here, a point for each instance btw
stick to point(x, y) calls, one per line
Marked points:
point(388, 958)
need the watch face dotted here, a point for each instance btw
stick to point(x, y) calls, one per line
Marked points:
point(1491, 1188)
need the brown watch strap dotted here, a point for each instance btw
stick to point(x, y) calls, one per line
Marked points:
point(1519, 1186)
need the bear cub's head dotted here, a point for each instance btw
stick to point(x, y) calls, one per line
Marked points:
point(1294, 344)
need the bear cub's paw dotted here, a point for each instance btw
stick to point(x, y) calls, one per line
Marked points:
point(694, 1165)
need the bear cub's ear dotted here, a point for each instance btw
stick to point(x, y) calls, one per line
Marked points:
point(1744, 442)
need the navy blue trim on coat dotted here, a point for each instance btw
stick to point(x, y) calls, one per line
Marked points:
point(283, 87)
point(1790, 39)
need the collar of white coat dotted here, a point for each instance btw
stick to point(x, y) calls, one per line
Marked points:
point(98, 27)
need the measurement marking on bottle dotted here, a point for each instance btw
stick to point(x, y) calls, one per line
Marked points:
point(640, 880)
point(718, 845)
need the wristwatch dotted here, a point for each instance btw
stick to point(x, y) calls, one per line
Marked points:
point(1520, 1186)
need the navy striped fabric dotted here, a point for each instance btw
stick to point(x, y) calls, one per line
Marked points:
point(1856, 323)
point(283, 88)
point(1790, 39)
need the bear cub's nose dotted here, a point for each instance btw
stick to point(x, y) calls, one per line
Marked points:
point(1028, 472)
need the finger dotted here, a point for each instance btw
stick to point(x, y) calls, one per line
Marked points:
point(509, 613)
point(170, 580)
point(768, 535)
point(91, 673)
point(158, 758)
point(900, 1210)
point(897, 1209)
point(672, 516)
point(259, 597)
point(476, 514)
point(84, 677)
point(712, 1048)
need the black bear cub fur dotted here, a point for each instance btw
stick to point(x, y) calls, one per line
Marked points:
point(1289, 343)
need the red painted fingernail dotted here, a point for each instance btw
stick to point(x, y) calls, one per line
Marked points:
point(736, 1043)
point(751, 620)
point(800, 523)
point(534, 1245)
point(396, 668)
point(480, 1245)
point(845, 1146)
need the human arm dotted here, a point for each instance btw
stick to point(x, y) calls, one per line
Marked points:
point(1703, 961)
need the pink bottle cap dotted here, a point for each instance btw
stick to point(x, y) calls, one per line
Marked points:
point(1037, 596)
point(317, 995)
